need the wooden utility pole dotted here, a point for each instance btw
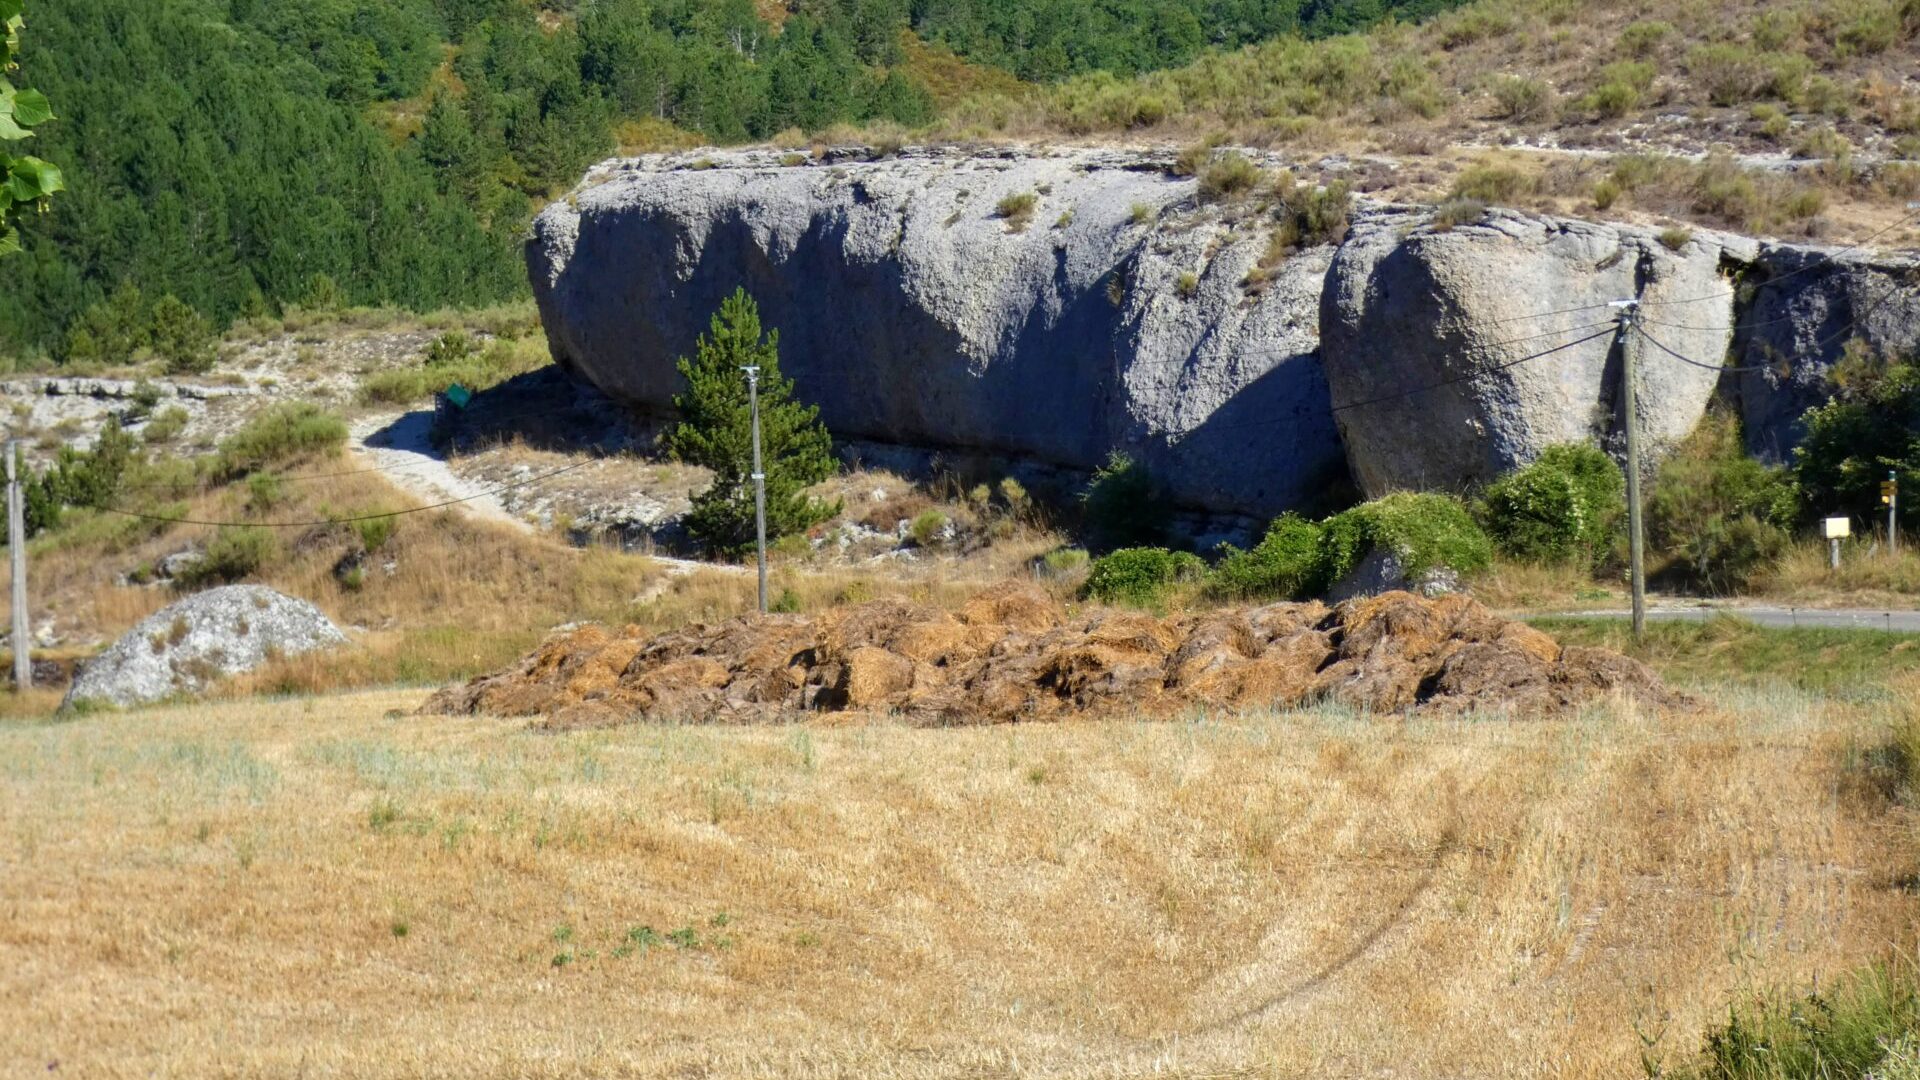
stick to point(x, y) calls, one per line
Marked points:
point(17, 545)
point(1630, 406)
point(759, 483)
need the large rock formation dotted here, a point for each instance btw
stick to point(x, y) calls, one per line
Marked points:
point(1410, 305)
point(914, 310)
point(1807, 305)
point(920, 303)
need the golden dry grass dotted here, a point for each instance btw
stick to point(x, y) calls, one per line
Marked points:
point(327, 888)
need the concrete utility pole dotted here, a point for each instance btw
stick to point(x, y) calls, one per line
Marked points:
point(17, 545)
point(759, 483)
point(1630, 406)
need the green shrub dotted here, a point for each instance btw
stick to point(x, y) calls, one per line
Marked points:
point(926, 526)
point(1228, 176)
point(1425, 531)
point(1186, 284)
point(1566, 505)
point(166, 426)
point(91, 479)
point(282, 432)
point(181, 337)
point(1675, 237)
point(1522, 98)
point(263, 492)
point(1491, 184)
point(110, 331)
point(1622, 85)
point(1871, 426)
point(1017, 210)
point(1730, 74)
point(375, 532)
point(1063, 561)
point(234, 553)
point(1718, 516)
point(1641, 39)
point(1456, 212)
point(1125, 506)
point(1141, 576)
point(1860, 1027)
point(1284, 565)
point(1308, 216)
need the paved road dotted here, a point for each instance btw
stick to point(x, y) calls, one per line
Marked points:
point(1903, 621)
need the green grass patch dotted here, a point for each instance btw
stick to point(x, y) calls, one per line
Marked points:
point(1728, 649)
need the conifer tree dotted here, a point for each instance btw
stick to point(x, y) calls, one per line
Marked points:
point(715, 430)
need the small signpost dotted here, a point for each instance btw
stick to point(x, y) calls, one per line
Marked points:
point(1835, 529)
point(1890, 498)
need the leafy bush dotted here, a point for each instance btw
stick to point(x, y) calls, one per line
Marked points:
point(1125, 506)
point(1522, 98)
point(375, 532)
point(1426, 531)
point(1718, 515)
point(90, 479)
point(1731, 74)
point(1228, 176)
point(1491, 184)
point(1285, 564)
point(1186, 284)
point(1308, 216)
point(234, 553)
point(1622, 86)
point(1643, 38)
point(926, 526)
point(1141, 576)
point(1675, 237)
point(166, 426)
point(282, 432)
point(1869, 428)
point(1565, 505)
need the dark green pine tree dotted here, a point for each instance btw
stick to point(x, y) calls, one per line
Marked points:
point(715, 430)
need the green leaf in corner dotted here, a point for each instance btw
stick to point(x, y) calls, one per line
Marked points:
point(31, 107)
point(9, 240)
point(11, 130)
point(11, 10)
point(43, 177)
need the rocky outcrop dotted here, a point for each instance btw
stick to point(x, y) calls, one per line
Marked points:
point(186, 647)
point(1807, 305)
point(1411, 305)
point(1056, 306)
point(917, 305)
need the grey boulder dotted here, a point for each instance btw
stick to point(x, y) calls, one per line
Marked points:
point(1427, 330)
point(188, 646)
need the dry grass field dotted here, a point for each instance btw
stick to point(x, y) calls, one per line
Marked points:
point(331, 887)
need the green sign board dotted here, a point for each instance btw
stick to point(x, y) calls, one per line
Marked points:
point(459, 395)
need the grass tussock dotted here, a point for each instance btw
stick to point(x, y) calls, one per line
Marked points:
point(1221, 893)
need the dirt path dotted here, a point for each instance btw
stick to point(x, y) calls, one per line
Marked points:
point(400, 445)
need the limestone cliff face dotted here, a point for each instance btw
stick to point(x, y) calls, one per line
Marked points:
point(1411, 305)
point(919, 304)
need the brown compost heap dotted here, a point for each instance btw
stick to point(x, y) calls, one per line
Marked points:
point(1013, 653)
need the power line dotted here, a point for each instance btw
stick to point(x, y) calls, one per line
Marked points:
point(1290, 352)
point(1466, 377)
point(1475, 373)
point(350, 520)
point(1655, 342)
